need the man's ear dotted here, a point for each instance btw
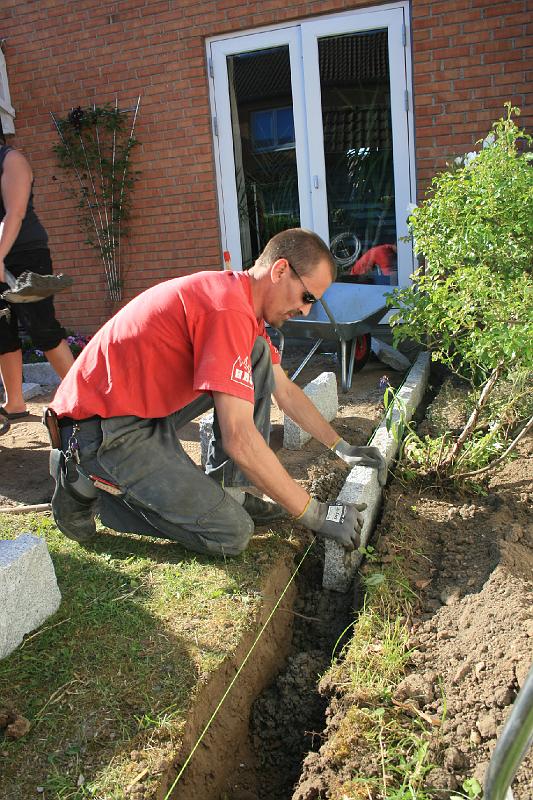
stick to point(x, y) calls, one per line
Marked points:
point(278, 269)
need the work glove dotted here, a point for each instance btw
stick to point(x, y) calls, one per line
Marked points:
point(340, 522)
point(362, 456)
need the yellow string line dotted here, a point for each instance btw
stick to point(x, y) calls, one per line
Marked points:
point(249, 653)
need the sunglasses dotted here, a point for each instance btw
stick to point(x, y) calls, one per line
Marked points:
point(307, 297)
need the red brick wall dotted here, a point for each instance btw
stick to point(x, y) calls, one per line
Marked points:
point(468, 58)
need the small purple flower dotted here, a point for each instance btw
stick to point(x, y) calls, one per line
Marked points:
point(384, 382)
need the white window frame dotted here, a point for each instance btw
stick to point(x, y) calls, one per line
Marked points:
point(7, 112)
point(276, 146)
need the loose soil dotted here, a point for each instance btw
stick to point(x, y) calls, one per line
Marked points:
point(472, 633)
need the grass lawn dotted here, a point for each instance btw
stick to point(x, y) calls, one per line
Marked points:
point(107, 681)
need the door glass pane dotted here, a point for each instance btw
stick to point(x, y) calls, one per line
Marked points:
point(264, 146)
point(356, 117)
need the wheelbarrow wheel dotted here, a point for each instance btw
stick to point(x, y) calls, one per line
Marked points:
point(362, 351)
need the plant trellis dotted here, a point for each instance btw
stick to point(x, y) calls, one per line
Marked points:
point(96, 146)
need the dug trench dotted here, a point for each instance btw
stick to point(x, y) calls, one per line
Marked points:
point(253, 744)
point(273, 715)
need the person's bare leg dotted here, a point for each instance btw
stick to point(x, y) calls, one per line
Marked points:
point(60, 358)
point(11, 369)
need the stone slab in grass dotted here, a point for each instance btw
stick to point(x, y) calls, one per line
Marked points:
point(362, 486)
point(28, 589)
point(322, 391)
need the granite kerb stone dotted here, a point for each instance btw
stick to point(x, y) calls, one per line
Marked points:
point(29, 593)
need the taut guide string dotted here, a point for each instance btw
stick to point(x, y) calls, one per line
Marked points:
point(249, 653)
point(215, 712)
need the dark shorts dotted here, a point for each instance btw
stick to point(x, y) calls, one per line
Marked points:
point(38, 319)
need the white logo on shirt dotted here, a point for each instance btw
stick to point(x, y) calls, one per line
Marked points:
point(241, 372)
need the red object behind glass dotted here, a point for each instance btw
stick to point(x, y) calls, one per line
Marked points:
point(383, 255)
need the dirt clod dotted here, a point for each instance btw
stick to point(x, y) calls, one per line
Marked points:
point(18, 728)
point(417, 688)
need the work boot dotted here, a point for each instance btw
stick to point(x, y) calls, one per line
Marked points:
point(263, 511)
point(73, 514)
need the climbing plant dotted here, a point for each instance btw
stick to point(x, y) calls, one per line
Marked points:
point(95, 148)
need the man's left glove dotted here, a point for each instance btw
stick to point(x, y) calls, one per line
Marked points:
point(362, 456)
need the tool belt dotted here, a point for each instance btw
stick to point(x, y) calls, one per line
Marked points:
point(54, 424)
point(64, 463)
point(51, 423)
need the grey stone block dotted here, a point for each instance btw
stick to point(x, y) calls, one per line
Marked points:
point(30, 390)
point(409, 396)
point(322, 391)
point(42, 373)
point(206, 430)
point(28, 589)
point(362, 484)
point(390, 356)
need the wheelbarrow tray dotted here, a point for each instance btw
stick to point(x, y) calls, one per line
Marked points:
point(354, 310)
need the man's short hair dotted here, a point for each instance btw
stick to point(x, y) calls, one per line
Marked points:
point(304, 249)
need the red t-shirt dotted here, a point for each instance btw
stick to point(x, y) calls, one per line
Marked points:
point(167, 346)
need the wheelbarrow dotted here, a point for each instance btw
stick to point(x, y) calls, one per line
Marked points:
point(345, 314)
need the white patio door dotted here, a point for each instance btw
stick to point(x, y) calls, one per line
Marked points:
point(312, 129)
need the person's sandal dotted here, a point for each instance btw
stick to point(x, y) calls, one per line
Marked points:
point(12, 415)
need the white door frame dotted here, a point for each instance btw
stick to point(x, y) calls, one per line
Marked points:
point(302, 40)
point(225, 160)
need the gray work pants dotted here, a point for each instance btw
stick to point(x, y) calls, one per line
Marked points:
point(164, 492)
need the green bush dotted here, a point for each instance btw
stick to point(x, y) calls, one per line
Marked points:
point(471, 301)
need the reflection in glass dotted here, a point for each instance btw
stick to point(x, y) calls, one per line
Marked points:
point(263, 146)
point(356, 117)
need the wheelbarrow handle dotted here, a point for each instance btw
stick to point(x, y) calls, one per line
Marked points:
point(331, 318)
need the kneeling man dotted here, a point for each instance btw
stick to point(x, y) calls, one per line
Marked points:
point(169, 355)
